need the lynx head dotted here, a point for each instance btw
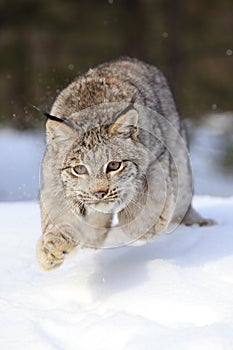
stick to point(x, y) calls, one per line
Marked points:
point(102, 166)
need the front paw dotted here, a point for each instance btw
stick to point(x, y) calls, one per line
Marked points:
point(52, 248)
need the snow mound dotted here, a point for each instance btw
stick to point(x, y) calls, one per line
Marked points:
point(173, 293)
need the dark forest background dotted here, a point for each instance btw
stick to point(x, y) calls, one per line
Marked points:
point(46, 44)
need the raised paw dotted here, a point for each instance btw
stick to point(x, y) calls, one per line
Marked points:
point(52, 248)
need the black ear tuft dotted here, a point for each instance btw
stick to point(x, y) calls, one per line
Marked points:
point(126, 124)
point(58, 120)
point(49, 116)
point(54, 118)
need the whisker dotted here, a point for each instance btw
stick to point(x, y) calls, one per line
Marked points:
point(110, 200)
point(114, 195)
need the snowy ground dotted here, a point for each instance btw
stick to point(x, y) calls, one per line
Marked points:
point(20, 155)
point(174, 293)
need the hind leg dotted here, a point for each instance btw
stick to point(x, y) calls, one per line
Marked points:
point(193, 218)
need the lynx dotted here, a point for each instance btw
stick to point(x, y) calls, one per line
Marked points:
point(116, 149)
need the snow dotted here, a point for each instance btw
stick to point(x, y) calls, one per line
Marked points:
point(176, 292)
point(21, 155)
point(206, 151)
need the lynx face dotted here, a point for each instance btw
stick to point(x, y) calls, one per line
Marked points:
point(104, 178)
point(104, 168)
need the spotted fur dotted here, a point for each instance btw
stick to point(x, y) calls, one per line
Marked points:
point(120, 111)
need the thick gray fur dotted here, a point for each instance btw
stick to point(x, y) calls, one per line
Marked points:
point(120, 111)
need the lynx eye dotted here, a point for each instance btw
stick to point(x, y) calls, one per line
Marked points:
point(79, 170)
point(113, 166)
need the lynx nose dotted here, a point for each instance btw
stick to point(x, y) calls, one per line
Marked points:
point(100, 194)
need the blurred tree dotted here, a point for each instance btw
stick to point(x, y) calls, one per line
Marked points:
point(134, 27)
point(44, 45)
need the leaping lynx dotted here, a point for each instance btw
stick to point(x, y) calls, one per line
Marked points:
point(116, 146)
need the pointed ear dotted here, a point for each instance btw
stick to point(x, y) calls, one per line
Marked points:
point(126, 124)
point(59, 130)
